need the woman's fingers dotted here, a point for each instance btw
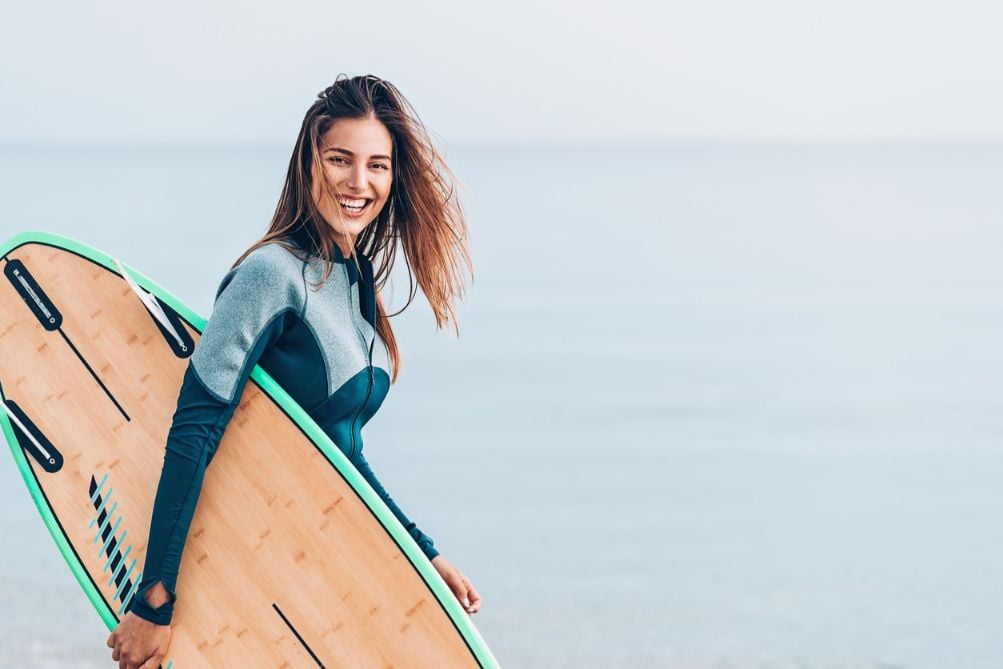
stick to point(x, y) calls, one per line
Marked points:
point(126, 659)
point(131, 661)
point(465, 593)
point(138, 644)
point(152, 663)
point(458, 587)
point(475, 599)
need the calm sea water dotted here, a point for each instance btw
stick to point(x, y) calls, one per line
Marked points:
point(711, 405)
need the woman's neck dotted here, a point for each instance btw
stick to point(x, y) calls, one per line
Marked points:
point(345, 253)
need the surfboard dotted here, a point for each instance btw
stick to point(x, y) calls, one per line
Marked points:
point(292, 559)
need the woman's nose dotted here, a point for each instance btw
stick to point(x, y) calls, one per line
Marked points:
point(357, 178)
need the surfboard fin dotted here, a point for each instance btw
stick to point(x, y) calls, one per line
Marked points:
point(38, 446)
point(33, 295)
point(175, 334)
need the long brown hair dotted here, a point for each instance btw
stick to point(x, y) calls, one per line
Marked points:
point(422, 213)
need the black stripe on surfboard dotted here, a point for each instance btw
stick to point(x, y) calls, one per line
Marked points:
point(69, 542)
point(66, 537)
point(73, 549)
point(113, 550)
point(94, 374)
point(316, 446)
point(290, 626)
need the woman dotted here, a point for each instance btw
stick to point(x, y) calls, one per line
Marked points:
point(304, 303)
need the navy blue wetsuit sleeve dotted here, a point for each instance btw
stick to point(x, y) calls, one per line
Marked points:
point(248, 317)
point(423, 540)
point(198, 426)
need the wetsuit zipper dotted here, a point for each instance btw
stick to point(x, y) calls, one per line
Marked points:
point(369, 392)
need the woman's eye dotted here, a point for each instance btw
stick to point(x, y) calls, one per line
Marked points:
point(381, 166)
point(337, 159)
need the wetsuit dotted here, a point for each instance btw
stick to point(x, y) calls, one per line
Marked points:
point(321, 346)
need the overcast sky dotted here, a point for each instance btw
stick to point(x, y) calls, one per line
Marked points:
point(514, 70)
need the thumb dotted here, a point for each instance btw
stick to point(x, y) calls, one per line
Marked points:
point(111, 640)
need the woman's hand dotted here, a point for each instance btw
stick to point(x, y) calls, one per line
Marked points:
point(139, 644)
point(459, 584)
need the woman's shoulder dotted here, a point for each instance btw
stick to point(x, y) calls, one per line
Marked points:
point(271, 258)
point(270, 270)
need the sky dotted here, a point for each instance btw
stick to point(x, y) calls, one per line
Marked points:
point(519, 71)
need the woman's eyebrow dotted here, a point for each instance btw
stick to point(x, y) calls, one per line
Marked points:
point(338, 149)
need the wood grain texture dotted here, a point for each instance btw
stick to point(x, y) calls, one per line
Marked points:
point(277, 526)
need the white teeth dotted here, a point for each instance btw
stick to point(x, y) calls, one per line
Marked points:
point(354, 204)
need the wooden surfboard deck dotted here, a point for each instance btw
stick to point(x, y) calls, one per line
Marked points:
point(292, 560)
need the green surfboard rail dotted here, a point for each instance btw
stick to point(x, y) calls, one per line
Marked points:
point(298, 415)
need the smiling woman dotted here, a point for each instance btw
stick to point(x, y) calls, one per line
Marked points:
point(355, 176)
point(304, 303)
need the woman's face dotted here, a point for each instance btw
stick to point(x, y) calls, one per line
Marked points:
point(354, 181)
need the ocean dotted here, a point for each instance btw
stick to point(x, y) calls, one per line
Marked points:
point(712, 405)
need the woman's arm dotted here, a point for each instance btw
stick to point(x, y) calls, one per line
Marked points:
point(249, 316)
point(423, 540)
point(461, 587)
point(198, 426)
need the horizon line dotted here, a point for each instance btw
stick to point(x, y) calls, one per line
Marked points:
point(525, 143)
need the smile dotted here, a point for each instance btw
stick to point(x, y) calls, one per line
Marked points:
point(353, 206)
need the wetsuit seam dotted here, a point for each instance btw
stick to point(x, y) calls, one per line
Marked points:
point(205, 387)
point(313, 333)
point(245, 373)
point(324, 361)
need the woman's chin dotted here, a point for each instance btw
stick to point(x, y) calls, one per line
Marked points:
point(349, 228)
